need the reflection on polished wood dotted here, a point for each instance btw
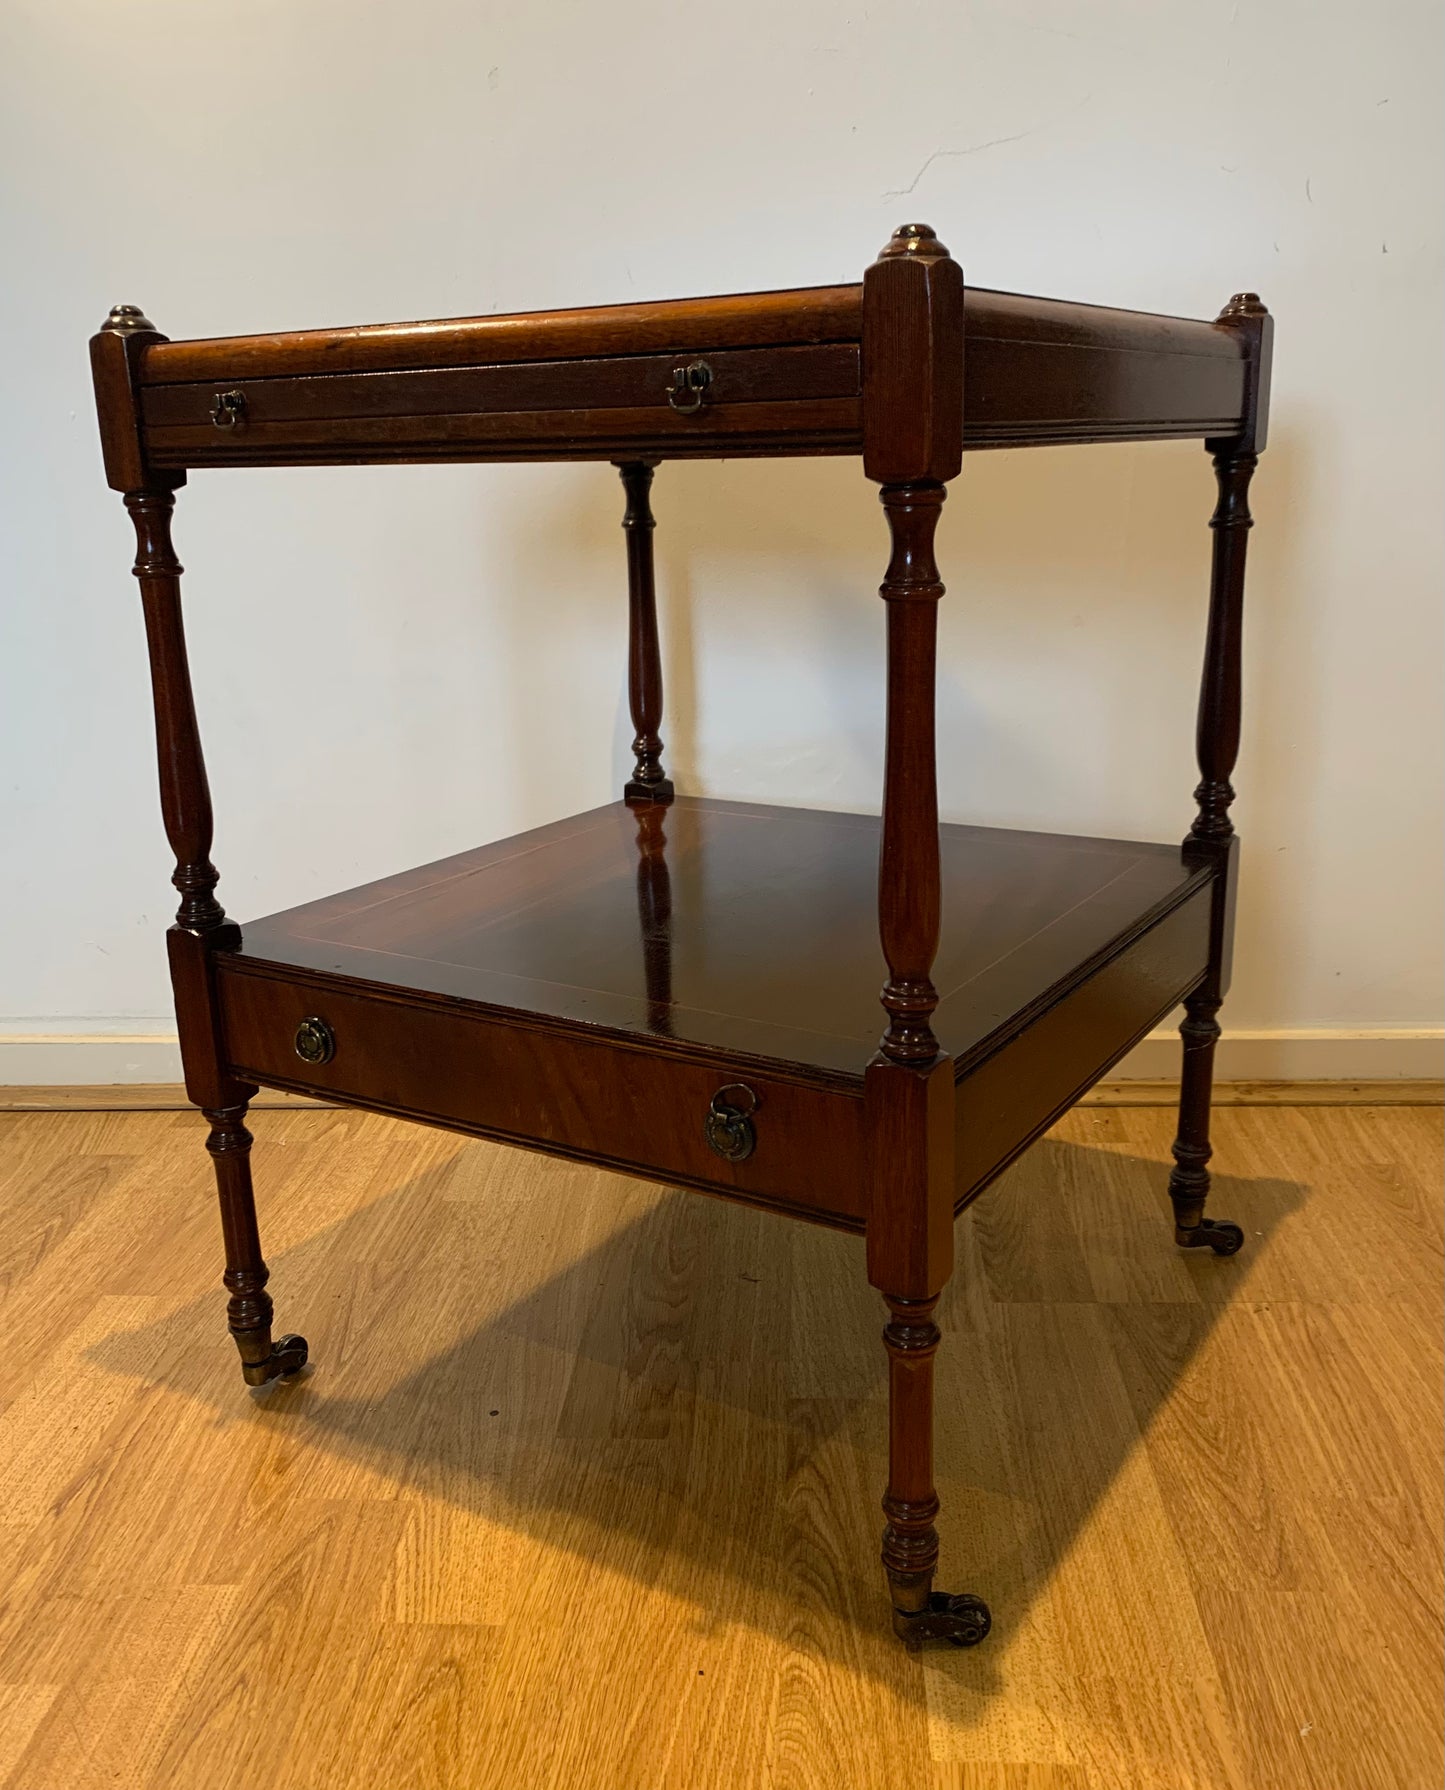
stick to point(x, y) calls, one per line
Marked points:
point(732, 927)
point(555, 1409)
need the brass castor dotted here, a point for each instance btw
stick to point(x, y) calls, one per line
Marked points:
point(1217, 1234)
point(962, 1619)
point(287, 1357)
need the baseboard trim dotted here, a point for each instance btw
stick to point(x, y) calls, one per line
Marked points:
point(1305, 1055)
point(133, 1070)
point(128, 1097)
point(140, 1097)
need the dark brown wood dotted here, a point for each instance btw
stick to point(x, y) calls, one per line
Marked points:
point(1014, 1091)
point(910, 1504)
point(771, 934)
point(720, 431)
point(757, 396)
point(648, 782)
point(638, 381)
point(913, 361)
point(185, 791)
point(1211, 837)
point(1217, 734)
point(909, 890)
point(562, 1090)
point(913, 349)
point(116, 355)
point(786, 366)
point(654, 914)
point(201, 929)
point(668, 326)
point(912, 1186)
point(249, 1309)
point(688, 990)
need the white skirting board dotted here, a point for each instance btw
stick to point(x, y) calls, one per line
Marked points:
point(80, 1059)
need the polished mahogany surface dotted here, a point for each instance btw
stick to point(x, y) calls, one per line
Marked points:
point(783, 377)
point(736, 927)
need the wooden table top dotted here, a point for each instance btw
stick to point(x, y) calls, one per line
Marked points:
point(737, 927)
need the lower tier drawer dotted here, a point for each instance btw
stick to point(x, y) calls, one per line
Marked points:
point(1018, 1088)
point(644, 1111)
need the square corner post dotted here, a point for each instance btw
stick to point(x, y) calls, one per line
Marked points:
point(201, 927)
point(912, 352)
point(1212, 839)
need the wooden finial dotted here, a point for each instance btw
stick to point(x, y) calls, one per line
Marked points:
point(127, 320)
point(1244, 304)
point(918, 242)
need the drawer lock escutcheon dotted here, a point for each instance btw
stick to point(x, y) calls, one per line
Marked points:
point(728, 1126)
point(689, 387)
point(229, 410)
point(315, 1041)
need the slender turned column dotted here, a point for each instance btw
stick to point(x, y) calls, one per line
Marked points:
point(1217, 731)
point(201, 928)
point(185, 790)
point(909, 899)
point(249, 1309)
point(910, 1504)
point(914, 1166)
point(912, 364)
point(648, 782)
point(1212, 836)
point(1217, 744)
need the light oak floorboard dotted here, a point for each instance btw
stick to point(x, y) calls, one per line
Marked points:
point(583, 1487)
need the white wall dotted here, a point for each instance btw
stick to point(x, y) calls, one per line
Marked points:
point(392, 664)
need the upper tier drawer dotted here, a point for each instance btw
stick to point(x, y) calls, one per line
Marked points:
point(693, 400)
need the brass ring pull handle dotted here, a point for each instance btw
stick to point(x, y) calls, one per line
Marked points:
point(728, 1126)
point(229, 410)
point(689, 387)
point(315, 1041)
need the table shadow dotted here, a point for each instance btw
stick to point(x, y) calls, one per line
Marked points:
point(697, 1400)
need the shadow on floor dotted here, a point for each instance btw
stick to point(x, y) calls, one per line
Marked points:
point(696, 1401)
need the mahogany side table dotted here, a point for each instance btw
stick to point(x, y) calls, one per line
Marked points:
point(682, 988)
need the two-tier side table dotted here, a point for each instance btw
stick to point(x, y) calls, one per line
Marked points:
point(683, 988)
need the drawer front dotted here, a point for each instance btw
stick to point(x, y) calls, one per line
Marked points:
point(1058, 1057)
point(622, 1105)
point(688, 401)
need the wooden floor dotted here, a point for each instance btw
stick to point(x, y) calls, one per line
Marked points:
point(582, 1490)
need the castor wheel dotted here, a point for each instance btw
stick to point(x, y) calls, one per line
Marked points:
point(959, 1618)
point(1218, 1234)
point(288, 1356)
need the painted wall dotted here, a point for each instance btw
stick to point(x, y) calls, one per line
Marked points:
point(393, 664)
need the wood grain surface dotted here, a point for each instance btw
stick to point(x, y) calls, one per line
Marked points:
point(582, 1490)
point(772, 931)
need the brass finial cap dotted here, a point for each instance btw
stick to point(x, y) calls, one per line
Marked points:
point(1245, 304)
point(914, 239)
point(126, 320)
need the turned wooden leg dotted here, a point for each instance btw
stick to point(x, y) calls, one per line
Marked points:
point(1212, 836)
point(249, 1308)
point(910, 1540)
point(648, 782)
point(1189, 1183)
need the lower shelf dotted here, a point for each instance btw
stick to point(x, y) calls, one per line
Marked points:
point(593, 987)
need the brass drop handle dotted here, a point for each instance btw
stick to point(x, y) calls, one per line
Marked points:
point(689, 387)
point(728, 1126)
point(229, 410)
point(315, 1041)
